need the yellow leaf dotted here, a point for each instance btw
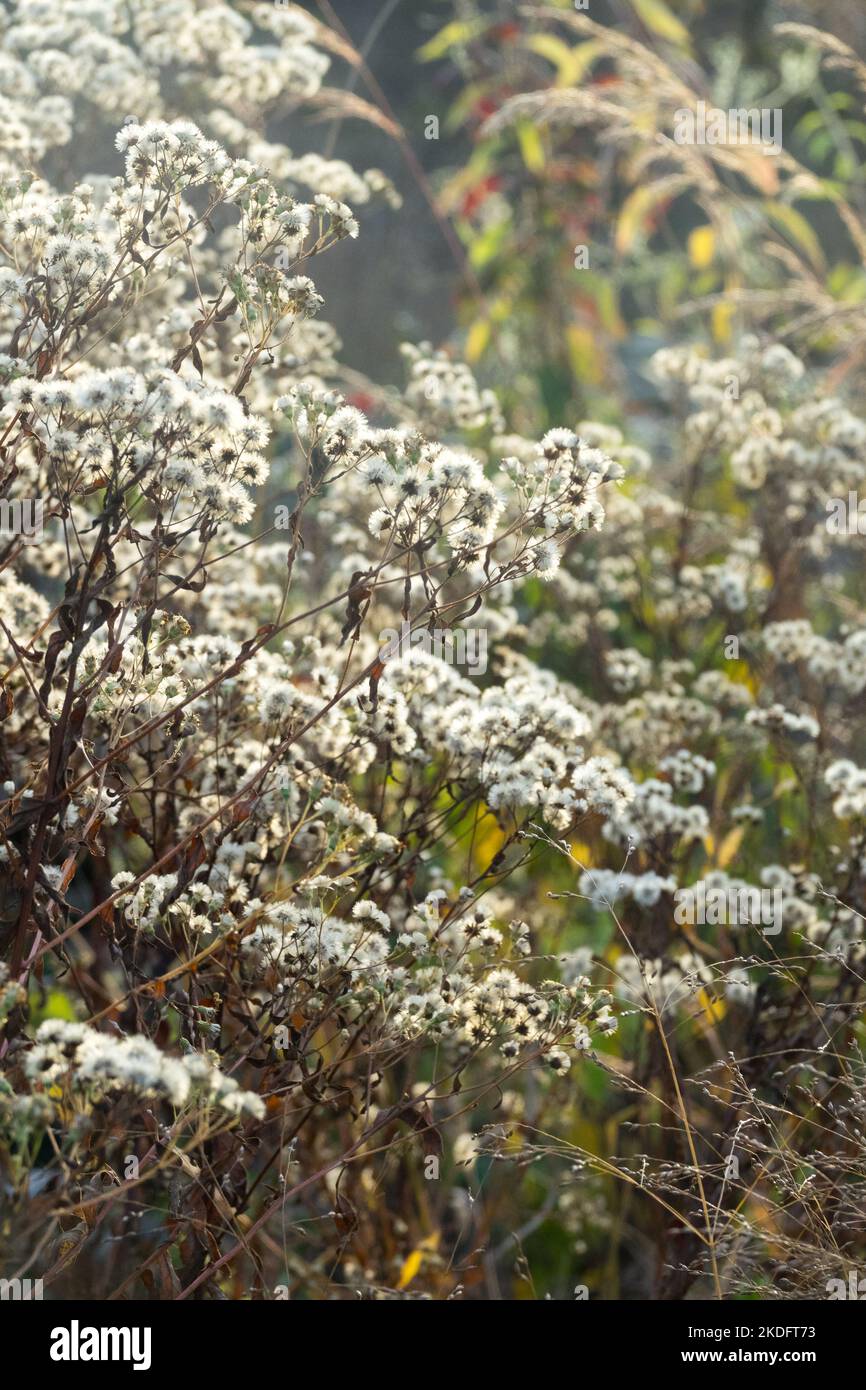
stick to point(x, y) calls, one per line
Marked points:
point(489, 839)
point(570, 63)
point(477, 339)
point(729, 846)
point(634, 213)
point(587, 362)
point(722, 316)
point(702, 247)
point(411, 1265)
point(529, 139)
point(581, 853)
point(555, 50)
point(662, 21)
point(713, 1008)
point(458, 31)
point(608, 308)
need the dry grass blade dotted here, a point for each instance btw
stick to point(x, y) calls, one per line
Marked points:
point(332, 101)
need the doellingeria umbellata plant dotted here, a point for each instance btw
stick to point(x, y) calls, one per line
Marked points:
point(223, 812)
point(721, 872)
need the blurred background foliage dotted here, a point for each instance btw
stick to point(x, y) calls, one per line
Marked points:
point(555, 134)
